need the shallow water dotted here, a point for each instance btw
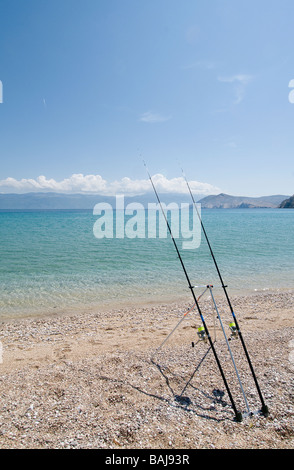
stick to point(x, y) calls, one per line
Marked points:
point(52, 260)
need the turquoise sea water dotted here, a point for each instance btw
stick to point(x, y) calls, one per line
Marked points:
point(51, 260)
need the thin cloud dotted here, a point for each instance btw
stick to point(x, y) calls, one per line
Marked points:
point(232, 145)
point(95, 184)
point(153, 117)
point(240, 81)
point(201, 64)
point(244, 79)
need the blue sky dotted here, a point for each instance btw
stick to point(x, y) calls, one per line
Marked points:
point(91, 87)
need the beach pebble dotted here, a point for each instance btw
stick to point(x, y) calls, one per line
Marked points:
point(99, 384)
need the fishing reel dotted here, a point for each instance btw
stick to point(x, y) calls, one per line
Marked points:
point(234, 331)
point(201, 334)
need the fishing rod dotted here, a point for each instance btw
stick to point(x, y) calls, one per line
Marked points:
point(229, 349)
point(264, 408)
point(238, 414)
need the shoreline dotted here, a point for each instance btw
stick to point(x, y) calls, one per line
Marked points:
point(19, 314)
point(94, 379)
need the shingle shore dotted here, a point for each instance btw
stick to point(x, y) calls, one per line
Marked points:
point(95, 379)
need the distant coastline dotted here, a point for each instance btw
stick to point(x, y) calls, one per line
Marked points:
point(58, 201)
point(225, 201)
point(288, 203)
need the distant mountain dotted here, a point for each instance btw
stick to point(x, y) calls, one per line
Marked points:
point(225, 201)
point(288, 203)
point(57, 201)
point(30, 201)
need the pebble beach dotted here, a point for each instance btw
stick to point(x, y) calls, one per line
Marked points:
point(103, 379)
